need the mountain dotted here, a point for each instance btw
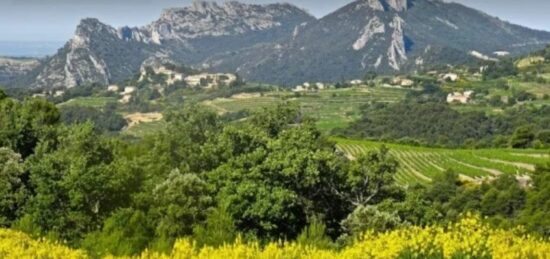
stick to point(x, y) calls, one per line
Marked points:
point(386, 36)
point(102, 54)
point(12, 68)
point(283, 44)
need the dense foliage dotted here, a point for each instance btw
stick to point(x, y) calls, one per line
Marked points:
point(270, 177)
point(105, 120)
point(436, 123)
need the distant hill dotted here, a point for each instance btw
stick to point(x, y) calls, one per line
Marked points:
point(282, 44)
point(12, 68)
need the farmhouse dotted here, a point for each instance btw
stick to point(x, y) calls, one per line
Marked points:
point(113, 88)
point(404, 82)
point(206, 80)
point(129, 90)
point(58, 93)
point(356, 82)
point(173, 76)
point(450, 77)
point(458, 97)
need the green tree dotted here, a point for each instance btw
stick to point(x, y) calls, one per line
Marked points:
point(372, 178)
point(314, 235)
point(180, 144)
point(544, 137)
point(180, 202)
point(503, 197)
point(218, 229)
point(22, 125)
point(77, 183)
point(369, 217)
point(125, 233)
point(536, 215)
point(523, 137)
point(13, 192)
point(283, 172)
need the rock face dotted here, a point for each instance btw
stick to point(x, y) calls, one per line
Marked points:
point(398, 5)
point(99, 53)
point(283, 44)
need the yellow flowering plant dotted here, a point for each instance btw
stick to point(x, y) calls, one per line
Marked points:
point(467, 238)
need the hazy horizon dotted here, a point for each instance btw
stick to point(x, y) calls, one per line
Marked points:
point(54, 22)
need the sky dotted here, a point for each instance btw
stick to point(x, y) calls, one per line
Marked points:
point(56, 20)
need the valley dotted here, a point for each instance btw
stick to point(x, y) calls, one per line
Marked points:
point(385, 129)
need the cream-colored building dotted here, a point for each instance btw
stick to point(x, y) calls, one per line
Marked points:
point(458, 97)
point(206, 80)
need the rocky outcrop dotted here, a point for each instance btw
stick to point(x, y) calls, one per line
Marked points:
point(396, 53)
point(375, 26)
point(398, 5)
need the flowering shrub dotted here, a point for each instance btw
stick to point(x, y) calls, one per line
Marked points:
point(18, 245)
point(468, 238)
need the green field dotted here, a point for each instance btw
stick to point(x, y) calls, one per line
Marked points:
point(421, 164)
point(144, 129)
point(332, 108)
point(95, 102)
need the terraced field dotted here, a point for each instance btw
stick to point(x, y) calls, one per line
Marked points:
point(421, 164)
point(332, 108)
point(95, 102)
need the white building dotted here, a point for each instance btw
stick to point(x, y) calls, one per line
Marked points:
point(173, 76)
point(125, 99)
point(58, 93)
point(129, 90)
point(356, 82)
point(458, 97)
point(407, 82)
point(113, 88)
point(450, 77)
point(206, 80)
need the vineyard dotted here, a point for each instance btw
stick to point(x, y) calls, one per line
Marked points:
point(421, 164)
point(332, 108)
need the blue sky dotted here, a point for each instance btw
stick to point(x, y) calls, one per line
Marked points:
point(55, 20)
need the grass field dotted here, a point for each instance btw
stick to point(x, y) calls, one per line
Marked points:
point(421, 164)
point(332, 108)
point(145, 128)
point(95, 102)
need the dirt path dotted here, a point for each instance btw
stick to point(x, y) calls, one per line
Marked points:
point(488, 170)
point(532, 155)
point(529, 167)
point(137, 118)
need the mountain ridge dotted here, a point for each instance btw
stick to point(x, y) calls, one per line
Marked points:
point(283, 44)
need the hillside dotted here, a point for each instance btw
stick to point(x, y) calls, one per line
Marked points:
point(12, 68)
point(421, 164)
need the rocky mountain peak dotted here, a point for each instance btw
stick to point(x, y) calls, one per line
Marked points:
point(385, 5)
point(398, 5)
point(204, 18)
point(89, 26)
point(283, 44)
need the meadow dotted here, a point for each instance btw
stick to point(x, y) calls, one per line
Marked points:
point(95, 102)
point(421, 164)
